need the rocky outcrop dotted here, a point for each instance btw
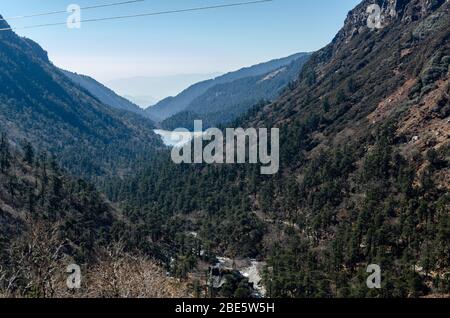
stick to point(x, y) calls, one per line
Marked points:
point(379, 14)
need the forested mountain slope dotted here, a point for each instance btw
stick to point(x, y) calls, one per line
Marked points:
point(66, 216)
point(223, 103)
point(49, 220)
point(32, 186)
point(173, 105)
point(364, 170)
point(103, 93)
point(40, 104)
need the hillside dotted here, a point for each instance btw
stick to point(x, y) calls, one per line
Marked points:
point(49, 220)
point(40, 104)
point(173, 105)
point(103, 93)
point(365, 136)
point(223, 103)
point(364, 175)
point(33, 187)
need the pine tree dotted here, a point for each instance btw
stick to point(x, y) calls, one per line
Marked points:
point(28, 153)
point(5, 154)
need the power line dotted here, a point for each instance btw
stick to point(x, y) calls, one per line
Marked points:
point(65, 11)
point(141, 15)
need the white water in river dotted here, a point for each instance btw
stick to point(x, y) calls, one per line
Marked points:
point(176, 139)
point(248, 268)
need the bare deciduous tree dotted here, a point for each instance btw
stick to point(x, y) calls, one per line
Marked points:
point(37, 268)
point(34, 265)
point(121, 274)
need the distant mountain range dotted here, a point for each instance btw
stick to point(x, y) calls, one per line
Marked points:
point(223, 103)
point(174, 105)
point(149, 90)
point(141, 100)
point(215, 101)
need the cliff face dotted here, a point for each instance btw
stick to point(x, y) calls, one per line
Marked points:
point(365, 17)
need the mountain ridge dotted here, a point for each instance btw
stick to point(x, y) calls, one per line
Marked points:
point(223, 103)
point(173, 105)
point(103, 93)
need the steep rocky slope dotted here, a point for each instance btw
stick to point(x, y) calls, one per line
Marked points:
point(369, 76)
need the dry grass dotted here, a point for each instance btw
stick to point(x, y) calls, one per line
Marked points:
point(38, 266)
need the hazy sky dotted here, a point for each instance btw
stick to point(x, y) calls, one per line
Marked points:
point(213, 41)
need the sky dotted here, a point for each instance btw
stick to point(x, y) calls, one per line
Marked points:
point(206, 42)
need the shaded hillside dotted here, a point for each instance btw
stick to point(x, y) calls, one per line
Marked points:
point(173, 105)
point(49, 220)
point(223, 103)
point(34, 188)
point(103, 93)
point(364, 169)
point(39, 103)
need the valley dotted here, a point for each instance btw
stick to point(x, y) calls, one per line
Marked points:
point(87, 177)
